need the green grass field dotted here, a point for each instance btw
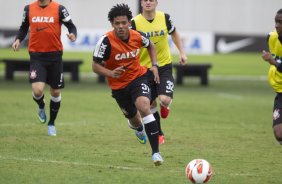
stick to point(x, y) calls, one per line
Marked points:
point(228, 123)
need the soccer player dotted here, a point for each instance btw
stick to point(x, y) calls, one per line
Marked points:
point(274, 58)
point(116, 56)
point(44, 18)
point(158, 25)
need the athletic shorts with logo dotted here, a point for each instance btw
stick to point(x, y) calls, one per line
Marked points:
point(166, 85)
point(47, 70)
point(277, 109)
point(127, 96)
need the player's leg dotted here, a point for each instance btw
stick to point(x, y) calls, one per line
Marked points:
point(165, 89)
point(130, 112)
point(141, 95)
point(142, 103)
point(56, 81)
point(165, 102)
point(277, 130)
point(55, 104)
point(154, 109)
point(277, 118)
point(136, 124)
point(37, 79)
point(38, 97)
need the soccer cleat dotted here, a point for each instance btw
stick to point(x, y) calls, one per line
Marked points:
point(164, 111)
point(157, 159)
point(161, 139)
point(141, 136)
point(41, 115)
point(51, 130)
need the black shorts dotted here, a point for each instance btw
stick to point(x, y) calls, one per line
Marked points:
point(166, 85)
point(277, 109)
point(49, 72)
point(127, 96)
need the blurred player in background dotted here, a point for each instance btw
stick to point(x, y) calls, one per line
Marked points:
point(116, 56)
point(44, 18)
point(274, 58)
point(157, 25)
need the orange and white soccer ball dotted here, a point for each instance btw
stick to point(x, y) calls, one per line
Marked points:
point(198, 171)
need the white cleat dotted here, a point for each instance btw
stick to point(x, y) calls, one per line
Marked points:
point(157, 159)
point(51, 130)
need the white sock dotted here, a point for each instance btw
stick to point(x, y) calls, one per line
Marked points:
point(148, 119)
point(56, 99)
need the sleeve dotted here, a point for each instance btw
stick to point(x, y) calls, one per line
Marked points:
point(145, 40)
point(133, 25)
point(65, 18)
point(102, 50)
point(169, 25)
point(25, 24)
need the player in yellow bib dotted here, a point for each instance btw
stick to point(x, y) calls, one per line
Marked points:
point(157, 26)
point(274, 58)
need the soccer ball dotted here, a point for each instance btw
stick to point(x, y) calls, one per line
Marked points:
point(198, 171)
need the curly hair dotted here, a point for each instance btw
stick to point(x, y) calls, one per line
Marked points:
point(119, 10)
point(279, 11)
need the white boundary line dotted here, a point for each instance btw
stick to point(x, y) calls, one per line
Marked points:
point(107, 166)
point(68, 163)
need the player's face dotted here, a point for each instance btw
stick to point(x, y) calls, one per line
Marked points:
point(278, 24)
point(149, 5)
point(121, 27)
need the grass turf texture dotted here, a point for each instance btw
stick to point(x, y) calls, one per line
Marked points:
point(227, 123)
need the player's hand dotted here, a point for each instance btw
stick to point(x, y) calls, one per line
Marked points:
point(16, 45)
point(266, 56)
point(72, 37)
point(155, 71)
point(182, 59)
point(117, 72)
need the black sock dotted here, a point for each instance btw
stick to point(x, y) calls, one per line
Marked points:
point(140, 128)
point(158, 120)
point(54, 109)
point(40, 102)
point(153, 134)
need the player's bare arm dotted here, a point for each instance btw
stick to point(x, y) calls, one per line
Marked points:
point(177, 41)
point(153, 55)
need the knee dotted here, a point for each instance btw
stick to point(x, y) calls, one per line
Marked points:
point(165, 100)
point(37, 92)
point(278, 133)
point(55, 92)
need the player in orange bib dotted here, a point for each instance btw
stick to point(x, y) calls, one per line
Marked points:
point(116, 56)
point(44, 19)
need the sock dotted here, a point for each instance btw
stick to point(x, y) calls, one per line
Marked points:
point(39, 100)
point(152, 132)
point(158, 121)
point(140, 128)
point(55, 104)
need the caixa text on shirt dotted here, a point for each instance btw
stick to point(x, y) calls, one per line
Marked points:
point(127, 55)
point(43, 19)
